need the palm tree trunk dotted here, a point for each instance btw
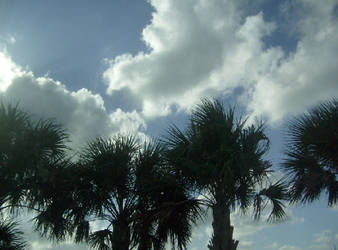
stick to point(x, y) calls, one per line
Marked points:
point(121, 235)
point(222, 238)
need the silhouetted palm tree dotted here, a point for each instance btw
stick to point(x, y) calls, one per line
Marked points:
point(166, 209)
point(312, 154)
point(125, 186)
point(26, 149)
point(222, 159)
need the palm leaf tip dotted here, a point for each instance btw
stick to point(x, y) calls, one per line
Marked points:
point(100, 239)
point(275, 195)
point(11, 238)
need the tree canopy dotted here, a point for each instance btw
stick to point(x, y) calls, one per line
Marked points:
point(120, 193)
point(126, 186)
point(311, 161)
point(27, 149)
point(223, 158)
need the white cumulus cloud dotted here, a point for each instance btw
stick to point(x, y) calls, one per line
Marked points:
point(81, 112)
point(209, 48)
point(306, 76)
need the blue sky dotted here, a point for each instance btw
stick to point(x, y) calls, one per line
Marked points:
point(103, 67)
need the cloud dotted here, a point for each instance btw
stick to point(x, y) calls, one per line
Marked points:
point(245, 245)
point(82, 112)
point(210, 48)
point(278, 246)
point(320, 241)
point(245, 225)
point(289, 247)
point(186, 41)
point(322, 237)
point(46, 245)
point(190, 43)
point(324, 240)
point(307, 75)
point(8, 70)
point(7, 41)
point(11, 40)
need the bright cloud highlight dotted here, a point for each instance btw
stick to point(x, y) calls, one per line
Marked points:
point(82, 113)
point(209, 48)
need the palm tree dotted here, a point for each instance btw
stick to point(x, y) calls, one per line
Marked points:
point(127, 188)
point(312, 154)
point(111, 163)
point(26, 148)
point(96, 188)
point(166, 208)
point(222, 160)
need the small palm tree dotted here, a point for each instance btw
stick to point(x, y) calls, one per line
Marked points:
point(222, 160)
point(312, 154)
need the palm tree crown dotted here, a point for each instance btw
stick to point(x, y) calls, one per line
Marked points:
point(312, 153)
point(222, 159)
point(26, 148)
point(126, 186)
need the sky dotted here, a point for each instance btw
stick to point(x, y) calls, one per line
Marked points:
point(126, 66)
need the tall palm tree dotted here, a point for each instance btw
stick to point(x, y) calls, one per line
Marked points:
point(312, 154)
point(222, 159)
point(25, 149)
point(127, 188)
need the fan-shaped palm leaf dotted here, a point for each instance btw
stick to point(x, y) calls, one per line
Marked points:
point(11, 238)
point(312, 154)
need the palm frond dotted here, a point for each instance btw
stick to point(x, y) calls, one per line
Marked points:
point(311, 161)
point(101, 239)
point(53, 225)
point(52, 138)
point(175, 221)
point(111, 162)
point(11, 238)
point(275, 194)
point(81, 230)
